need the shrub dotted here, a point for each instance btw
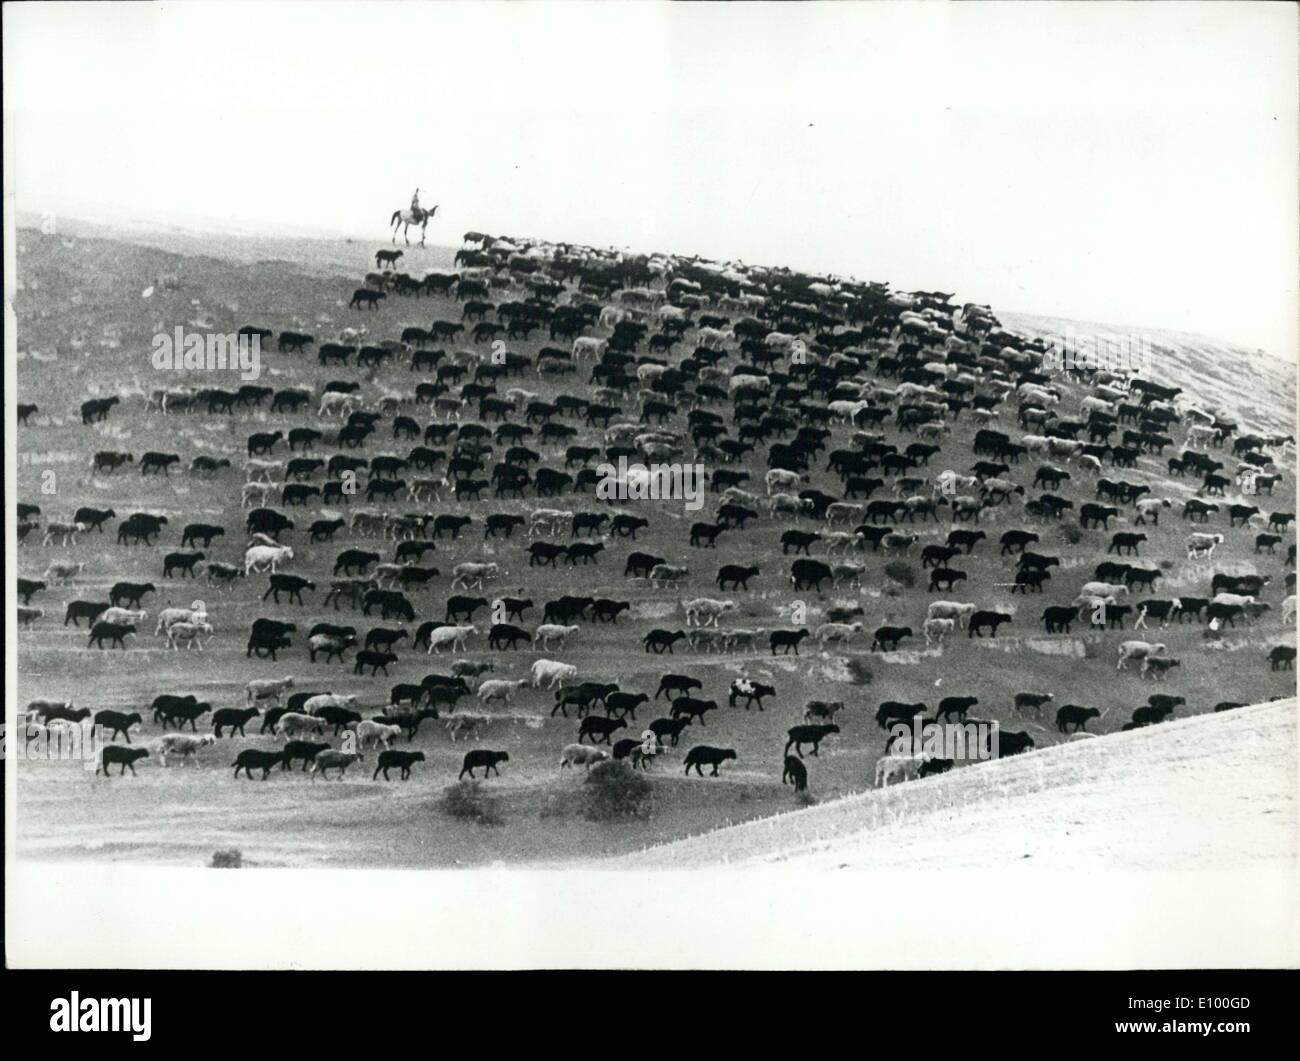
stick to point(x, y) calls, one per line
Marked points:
point(1071, 533)
point(232, 859)
point(902, 573)
point(467, 801)
point(859, 672)
point(613, 791)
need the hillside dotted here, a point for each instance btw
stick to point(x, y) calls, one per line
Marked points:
point(1211, 793)
point(88, 307)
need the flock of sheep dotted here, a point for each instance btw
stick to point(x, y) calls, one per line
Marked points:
point(789, 380)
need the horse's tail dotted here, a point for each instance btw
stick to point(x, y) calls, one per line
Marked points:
point(396, 215)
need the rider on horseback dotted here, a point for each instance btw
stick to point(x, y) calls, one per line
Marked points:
point(415, 205)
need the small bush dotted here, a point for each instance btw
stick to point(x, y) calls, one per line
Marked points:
point(902, 573)
point(1071, 533)
point(232, 859)
point(859, 672)
point(613, 791)
point(467, 801)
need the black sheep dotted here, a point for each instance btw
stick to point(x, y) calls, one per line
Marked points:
point(594, 726)
point(252, 759)
point(305, 750)
point(232, 718)
point(403, 761)
point(487, 759)
point(125, 756)
point(182, 712)
point(1069, 715)
point(117, 722)
point(704, 755)
point(814, 735)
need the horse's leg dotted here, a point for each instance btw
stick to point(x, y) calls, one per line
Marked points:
point(406, 226)
point(395, 224)
point(423, 225)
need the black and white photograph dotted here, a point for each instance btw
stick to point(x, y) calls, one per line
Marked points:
point(651, 486)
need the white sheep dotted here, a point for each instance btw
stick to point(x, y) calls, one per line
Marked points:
point(582, 755)
point(187, 634)
point(552, 672)
point(500, 689)
point(548, 632)
point(897, 768)
point(293, 722)
point(267, 689)
point(705, 611)
point(183, 745)
point(455, 636)
point(370, 733)
point(937, 629)
point(836, 632)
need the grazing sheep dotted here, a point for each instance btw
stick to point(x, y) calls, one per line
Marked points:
point(122, 615)
point(401, 760)
point(1033, 700)
point(752, 691)
point(314, 705)
point(488, 760)
point(1281, 657)
point(814, 735)
point(464, 725)
point(234, 719)
point(594, 726)
point(552, 673)
point(499, 689)
point(936, 630)
point(1071, 715)
point(47, 710)
point(330, 760)
point(372, 733)
point(455, 636)
point(703, 755)
point(582, 755)
point(183, 745)
point(117, 722)
point(180, 712)
point(895, 768)
point(1158, 668)
point(704, 611)
point(292, 723)
point(251, 759)
point(1138, 650)
point(795, 773)
point(187, 634)
point(837, 632)
point(825, 709)
point(954, 610)
point(548, 632)
point(116, 754)
point(267, 689)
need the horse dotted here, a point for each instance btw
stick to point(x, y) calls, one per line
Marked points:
point(407, 218)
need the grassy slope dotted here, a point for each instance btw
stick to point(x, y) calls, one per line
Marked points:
point(74, 287)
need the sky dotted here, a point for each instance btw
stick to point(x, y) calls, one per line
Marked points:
point(1134, 164)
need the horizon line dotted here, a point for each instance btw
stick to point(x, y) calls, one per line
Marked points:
point(197, 225)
